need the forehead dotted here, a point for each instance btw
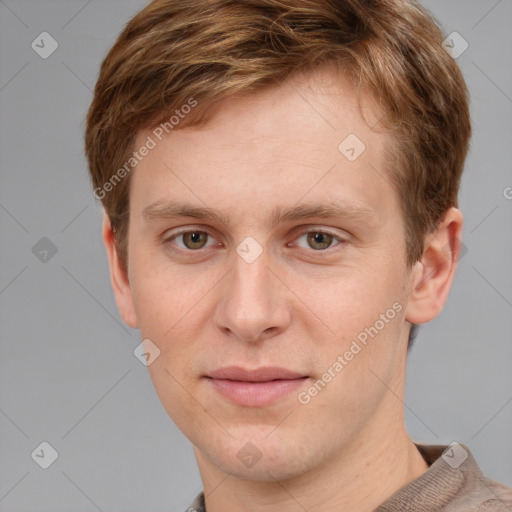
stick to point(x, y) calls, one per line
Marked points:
point(312, 137)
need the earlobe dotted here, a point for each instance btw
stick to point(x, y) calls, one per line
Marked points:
point(432, 277)
point(118, 277)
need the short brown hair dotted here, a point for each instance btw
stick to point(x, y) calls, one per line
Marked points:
point(205, 50)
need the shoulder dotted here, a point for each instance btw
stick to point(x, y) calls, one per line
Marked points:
point(453, 482)
point(492, 497)
point(470, 489)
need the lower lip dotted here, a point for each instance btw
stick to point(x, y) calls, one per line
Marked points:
point(255, 394)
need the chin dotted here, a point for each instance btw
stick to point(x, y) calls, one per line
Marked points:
point(263, 458)
point(264, 470)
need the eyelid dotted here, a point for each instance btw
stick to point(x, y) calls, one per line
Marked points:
point(313, 229)
point(170, 235)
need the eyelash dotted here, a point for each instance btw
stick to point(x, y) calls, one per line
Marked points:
point(169, 238)
point(329, 249)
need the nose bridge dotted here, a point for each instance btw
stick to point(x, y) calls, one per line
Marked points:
point(251, 306)
point(250, 285)
point(250, 277)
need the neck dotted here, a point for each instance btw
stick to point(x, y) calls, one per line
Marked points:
point(359, 479)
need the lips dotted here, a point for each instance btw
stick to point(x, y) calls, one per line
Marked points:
point(254, 388)
point(260, 375)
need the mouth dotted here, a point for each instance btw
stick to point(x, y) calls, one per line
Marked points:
point(254, 388)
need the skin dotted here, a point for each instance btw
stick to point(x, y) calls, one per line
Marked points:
point(297, 306)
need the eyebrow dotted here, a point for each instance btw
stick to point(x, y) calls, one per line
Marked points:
point(163, 210)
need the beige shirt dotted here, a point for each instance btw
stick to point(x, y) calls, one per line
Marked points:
point(452, 483)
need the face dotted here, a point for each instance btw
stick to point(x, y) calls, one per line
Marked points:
point(267, 264)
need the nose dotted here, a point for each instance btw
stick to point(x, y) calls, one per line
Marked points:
point(254, 303)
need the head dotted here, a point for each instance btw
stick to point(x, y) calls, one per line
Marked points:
point(258, 119)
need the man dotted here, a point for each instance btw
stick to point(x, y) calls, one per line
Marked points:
point(280, 185)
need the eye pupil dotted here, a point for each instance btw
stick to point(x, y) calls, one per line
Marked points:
point(323, 240)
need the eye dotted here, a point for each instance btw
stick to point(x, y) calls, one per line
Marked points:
point(319, 240)
point(190, 240)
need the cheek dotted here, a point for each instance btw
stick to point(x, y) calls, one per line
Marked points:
point(364, 351)
point(168, 308)
point(165, 295)
point(365, 313)
point(351, 300)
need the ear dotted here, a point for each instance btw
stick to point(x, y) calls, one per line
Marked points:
point(433, 275)
point(119, 277)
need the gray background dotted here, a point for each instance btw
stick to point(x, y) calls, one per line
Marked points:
point(68, 375)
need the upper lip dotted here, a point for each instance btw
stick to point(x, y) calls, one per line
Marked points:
point(265, 374)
